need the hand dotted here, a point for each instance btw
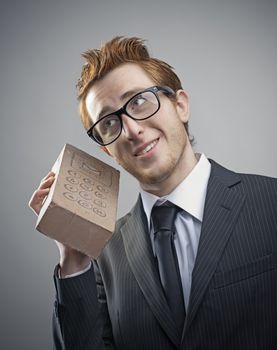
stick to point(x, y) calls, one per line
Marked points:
point(71, 260)
point(41, 192)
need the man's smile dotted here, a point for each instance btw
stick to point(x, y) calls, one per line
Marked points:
point(145, 148)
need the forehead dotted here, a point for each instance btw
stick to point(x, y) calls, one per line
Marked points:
point(106, 94)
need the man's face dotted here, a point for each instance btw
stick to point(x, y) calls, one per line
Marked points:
point(156, 151)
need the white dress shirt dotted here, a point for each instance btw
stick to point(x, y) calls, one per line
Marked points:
point(190, 196)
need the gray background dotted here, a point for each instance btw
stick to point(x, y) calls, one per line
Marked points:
point(224, 52)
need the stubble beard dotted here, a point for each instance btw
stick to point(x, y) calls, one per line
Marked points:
point(151, 178)
point(148, 178)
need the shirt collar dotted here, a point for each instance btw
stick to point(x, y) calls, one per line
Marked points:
point(189, 195)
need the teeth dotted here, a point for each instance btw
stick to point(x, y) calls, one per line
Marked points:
point(149, 147)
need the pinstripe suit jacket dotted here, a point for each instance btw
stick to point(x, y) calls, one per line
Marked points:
point(233, 300)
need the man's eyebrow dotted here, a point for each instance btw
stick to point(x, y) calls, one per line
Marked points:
point(128, 94)
point(131, 93)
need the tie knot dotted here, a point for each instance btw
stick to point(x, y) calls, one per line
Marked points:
point(163, 217)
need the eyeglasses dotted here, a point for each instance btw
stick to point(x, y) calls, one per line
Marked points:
point(140, 107)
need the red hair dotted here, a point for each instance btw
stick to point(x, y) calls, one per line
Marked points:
point(112, 54)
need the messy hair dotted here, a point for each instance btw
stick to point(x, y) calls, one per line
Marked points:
point(112, 54)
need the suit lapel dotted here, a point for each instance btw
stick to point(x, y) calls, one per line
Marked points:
point(222, 208)
point(142, 262)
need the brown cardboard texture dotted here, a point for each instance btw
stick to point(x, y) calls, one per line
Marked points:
point(80, 209)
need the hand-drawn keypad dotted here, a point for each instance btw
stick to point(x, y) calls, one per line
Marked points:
point(85, 204)
point(70, 196)
point(102, 189)
point(74, 174)
point(72, 180)
point(99, 203)
point(87, 181)
point(88, 194)
point(71, 188)
point(85, 186)
point(99, 195)
point(85, 195)
point(99, 212)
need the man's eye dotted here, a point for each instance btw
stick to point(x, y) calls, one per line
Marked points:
point(108, 124)
point(138, 101)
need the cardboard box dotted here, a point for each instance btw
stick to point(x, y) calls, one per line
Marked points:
point(80, 209)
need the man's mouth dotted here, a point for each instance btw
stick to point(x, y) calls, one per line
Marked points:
point(147, 148)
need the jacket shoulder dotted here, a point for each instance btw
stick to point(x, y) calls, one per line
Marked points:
point(258, 191)
point(252, 182)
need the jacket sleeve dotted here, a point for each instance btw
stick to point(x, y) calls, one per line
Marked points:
point(80, 318)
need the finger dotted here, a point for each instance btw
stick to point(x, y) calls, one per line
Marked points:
point(43, 193)
point(50, 174)
point(38, 197)
point(47, 183)
point(36, 201)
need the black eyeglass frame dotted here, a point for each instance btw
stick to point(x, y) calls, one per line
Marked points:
point(122, 110)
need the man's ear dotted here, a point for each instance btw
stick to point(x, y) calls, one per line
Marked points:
point(182, 105)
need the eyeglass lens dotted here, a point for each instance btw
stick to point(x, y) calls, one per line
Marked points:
point(141, 106)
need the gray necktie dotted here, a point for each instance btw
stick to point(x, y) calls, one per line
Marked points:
point(163, 218)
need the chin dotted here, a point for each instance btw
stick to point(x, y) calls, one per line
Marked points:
point(152, 177)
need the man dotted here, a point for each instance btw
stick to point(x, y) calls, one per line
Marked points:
point(225, 242)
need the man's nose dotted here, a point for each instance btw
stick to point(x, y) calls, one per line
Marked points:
point(131, 128)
